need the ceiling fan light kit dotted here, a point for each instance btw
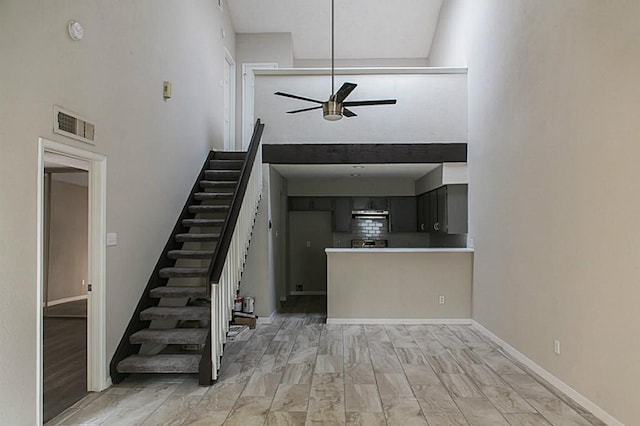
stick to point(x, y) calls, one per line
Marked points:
point(335, 107)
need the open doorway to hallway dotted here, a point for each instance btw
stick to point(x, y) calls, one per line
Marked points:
point(65, 276)
point(70, 310)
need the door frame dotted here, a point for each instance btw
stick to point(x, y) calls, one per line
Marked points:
point(97, 373)
point(248, 84)
point(230, 92)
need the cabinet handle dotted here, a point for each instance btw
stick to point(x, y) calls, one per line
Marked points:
point(436, 226)
point(422, 226)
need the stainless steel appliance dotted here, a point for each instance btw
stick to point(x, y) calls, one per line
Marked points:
point(369, 243)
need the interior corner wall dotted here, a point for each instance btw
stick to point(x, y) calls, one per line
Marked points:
point(553, 188)
point(154, 148)
point(449, 45)
point(252, 48)
point(278, 232)
point(258, 275)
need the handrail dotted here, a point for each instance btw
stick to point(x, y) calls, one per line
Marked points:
point(227, 262)
point(226, 233)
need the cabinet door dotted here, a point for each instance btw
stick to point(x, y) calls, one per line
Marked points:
point(321, 203)
point(403, 214)
point(378, 203)
point(299, 203)
point(433, 212)
point(441, 223)
point(456, 210)
point(423, 213)
point(342, 214)
point(360, 203)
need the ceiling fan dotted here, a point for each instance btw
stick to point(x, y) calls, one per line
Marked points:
point(336, 106)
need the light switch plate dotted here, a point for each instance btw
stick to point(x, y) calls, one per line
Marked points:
point(112, 239)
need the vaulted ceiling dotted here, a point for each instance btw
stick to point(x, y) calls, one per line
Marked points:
point(364, 29)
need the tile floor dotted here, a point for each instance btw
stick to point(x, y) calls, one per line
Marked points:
point(300, 371)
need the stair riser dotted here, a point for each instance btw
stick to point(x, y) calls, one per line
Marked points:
point(189, 255)
point(230, 155)
point(203, 223)
point(195, 274)
point(225, 164)
point(175, 317)
point(208, 209)
point(201, 196)
point(170, 337)
point(223, 175)
point(197, 238)
point(178, 292)
point(218, 184)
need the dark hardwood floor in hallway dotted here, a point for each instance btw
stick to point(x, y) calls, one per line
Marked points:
point(65, 363)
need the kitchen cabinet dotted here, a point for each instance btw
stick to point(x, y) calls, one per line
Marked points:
point(403, 214)
point(342, 214)
point(310, 203)
point(443, 210)
point(370, 203)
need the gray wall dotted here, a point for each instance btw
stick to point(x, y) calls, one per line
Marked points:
point(553, 149)
point(309, 234)
point(68, 241)
point(154, 147)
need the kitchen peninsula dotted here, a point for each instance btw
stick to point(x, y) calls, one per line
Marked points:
point(399, 285)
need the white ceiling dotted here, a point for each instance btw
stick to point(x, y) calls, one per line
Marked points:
point(364, 29)
point(408, 171)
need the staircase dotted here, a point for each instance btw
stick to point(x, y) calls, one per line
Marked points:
point(172, 327)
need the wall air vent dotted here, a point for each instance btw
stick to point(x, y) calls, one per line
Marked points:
point(69, 124)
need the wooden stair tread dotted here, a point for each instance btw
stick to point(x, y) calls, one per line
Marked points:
point(183, 272)
point(171, 291)
point(230, 155)
point(197, 237)
point(190, 254)
point(218, 183)
point(161, 363)
point(213, 195)
point(179, 313)
point(172, 336)
point(203, 223)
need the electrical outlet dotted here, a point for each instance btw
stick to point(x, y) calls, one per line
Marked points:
point(441, 300)
point(556, 347)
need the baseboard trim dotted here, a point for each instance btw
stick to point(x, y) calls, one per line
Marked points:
point(66, 300)
point(267, 320)
point(308, 293)
point(405, 321)
point(562, 386)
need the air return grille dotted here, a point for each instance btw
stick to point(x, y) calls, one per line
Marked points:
point(72, 125)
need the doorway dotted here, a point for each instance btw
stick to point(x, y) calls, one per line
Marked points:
point(65, 265)
point(229, 89)
point(71, 275)
point(248, 87)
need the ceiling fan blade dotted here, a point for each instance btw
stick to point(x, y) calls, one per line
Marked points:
point(297, 97)
point(374, 102)
point(304, 109)
point(344, 91)
point(348, 113)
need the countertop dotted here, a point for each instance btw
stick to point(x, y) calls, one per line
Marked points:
point(400, 250)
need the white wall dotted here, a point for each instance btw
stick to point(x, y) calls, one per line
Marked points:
point(430, 108)
point(449, 47)
point(154, 148)
point(553, 148)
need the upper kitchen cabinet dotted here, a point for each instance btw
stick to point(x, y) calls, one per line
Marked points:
point(342, 214)
point(310, 203)
point(403, 214)
point(370, 203)
point(444, 210)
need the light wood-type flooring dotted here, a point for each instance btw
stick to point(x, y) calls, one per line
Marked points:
point(299, 370)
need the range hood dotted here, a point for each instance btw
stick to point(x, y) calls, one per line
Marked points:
point(371, 214)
